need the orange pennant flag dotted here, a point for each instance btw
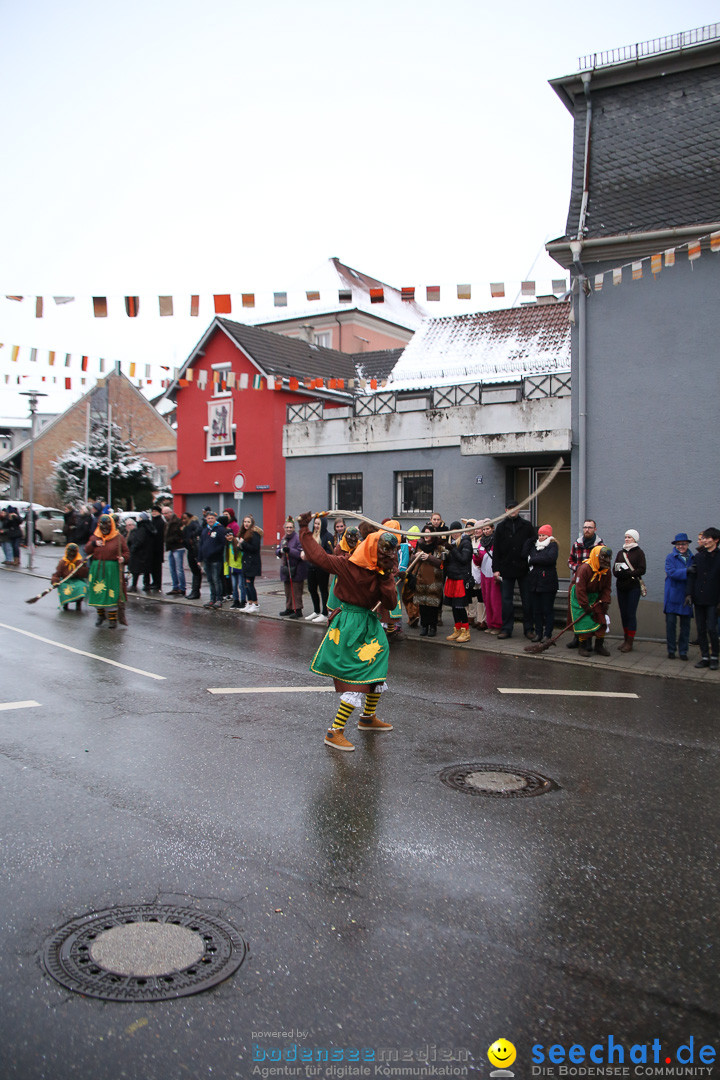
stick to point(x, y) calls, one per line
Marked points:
point(223, 305)
point(100, 307)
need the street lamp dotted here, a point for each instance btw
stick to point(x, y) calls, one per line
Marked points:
point(32, 396)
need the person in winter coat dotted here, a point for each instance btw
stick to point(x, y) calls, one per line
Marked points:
point(190, 527)
point(543, 582)
point(429, 580)
point(514, 536)
point(211, 550)
point(11, 535)
point(293, 570)
point(139, 544)
point(703, 589)
point(175, 548)
point(250, 540)
point(492, 596)
point(83, 528)
point(318, 579)
point(675, 605)
point(458, 578)
point(157, 550)
point(629, 568)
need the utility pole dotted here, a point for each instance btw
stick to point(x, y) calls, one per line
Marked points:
point(32, 396)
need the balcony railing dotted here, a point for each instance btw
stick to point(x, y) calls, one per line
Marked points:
point(629, 53)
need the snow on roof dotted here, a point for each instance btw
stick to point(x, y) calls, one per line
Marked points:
point(329, 278)
point(487, 346)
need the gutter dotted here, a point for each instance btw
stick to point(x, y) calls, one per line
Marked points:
point(590, 244)
point(576, 247)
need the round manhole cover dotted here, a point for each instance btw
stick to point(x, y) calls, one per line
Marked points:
point(143, 953)
point(496, 781)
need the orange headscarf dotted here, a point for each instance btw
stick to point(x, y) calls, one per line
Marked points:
point(394, 527)
point(106, 536)
point(365, 554)
point(594, 560)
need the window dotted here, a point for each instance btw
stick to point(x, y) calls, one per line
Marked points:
point(323, 338)
point(215, 452)
point(219, 389)
point(346, 492)
point(413, 492)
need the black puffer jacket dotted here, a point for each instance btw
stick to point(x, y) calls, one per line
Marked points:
point(513, 539)
point(542, 576)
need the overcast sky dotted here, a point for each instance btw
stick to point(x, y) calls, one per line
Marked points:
point(177, 148)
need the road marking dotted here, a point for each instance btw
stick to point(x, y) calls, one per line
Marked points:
point(80, 652)
point(270, 689)
point(564, 693)
point(18, 704)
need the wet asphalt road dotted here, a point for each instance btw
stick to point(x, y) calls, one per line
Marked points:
point(409, 914)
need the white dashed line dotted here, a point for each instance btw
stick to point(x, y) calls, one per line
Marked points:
point(80, 652)
point(18, 704)
point(564, 693)
point(270, 689)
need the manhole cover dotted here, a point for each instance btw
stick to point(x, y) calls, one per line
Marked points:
point(496, 781)
point(143, 953)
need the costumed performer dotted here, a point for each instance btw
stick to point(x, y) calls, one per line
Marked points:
point(354, 652)
point(590, 599)
point(109, 553)
point(76, 588)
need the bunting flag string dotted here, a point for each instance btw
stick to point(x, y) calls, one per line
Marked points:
point(222, 303)
point(656, 261)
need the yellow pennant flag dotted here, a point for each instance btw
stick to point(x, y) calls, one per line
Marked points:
point(15, 351)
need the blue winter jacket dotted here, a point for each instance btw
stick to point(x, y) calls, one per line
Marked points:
point(676, 568)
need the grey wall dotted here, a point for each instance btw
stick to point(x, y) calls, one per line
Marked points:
point(653, 387)
point(457, 494)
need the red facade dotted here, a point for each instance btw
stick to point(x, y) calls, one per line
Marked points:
point(257, 417)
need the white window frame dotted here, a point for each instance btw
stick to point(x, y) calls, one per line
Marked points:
point(217, 393)
point(232, 456)
point(399, 477)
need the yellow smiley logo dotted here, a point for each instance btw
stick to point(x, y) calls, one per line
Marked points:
point(501, 1054)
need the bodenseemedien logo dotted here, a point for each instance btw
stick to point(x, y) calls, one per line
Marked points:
point(501, 1054)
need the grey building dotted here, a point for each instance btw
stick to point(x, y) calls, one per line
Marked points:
point(644, 205)
point(476, 409)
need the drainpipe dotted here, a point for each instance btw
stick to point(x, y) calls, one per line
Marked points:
point(583, 289)
point(340, 325)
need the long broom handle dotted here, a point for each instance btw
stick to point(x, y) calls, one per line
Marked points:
point(56, 585)
point(443, 532)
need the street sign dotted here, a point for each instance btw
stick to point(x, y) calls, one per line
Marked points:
point(239, 481)
point(239, 495)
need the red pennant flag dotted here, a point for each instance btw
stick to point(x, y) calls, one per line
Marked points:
point(68, 384)
point(194, 305)
point(132, 306)
point(183, 382)
point(100, 307)
point(84, 363)
point(293, 383)
point(223, 306)
point(377, 296)
point(373, 384)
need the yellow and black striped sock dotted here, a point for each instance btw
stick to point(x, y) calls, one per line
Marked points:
point(371, 701)
point(343, 715)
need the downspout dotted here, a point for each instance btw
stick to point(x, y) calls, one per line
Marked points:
point(583, 289)
point(337, 320)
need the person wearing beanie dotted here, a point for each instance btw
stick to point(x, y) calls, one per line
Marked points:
point(675, 605)
point(543, 582)
point(629, 568)
point(458, 580)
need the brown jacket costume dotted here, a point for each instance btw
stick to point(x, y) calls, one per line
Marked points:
point(354, 584)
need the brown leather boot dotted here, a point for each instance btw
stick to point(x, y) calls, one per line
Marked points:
point(600, 647)
point(627, 644)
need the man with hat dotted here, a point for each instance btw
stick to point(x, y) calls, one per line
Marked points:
point(675, 606)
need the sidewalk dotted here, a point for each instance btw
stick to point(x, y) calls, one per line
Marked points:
point(647, 657)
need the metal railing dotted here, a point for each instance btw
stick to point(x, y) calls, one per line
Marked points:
point(671, 43)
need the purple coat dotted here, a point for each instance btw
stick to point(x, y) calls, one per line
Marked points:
point(298, 568)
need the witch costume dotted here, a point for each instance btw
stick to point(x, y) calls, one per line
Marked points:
point(108, 553)
point(354, 651)
point(74, 590)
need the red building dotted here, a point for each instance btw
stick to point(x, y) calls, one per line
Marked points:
point(232, 396)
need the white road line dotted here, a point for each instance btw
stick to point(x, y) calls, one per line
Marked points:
point(18, 704)
point(269, 689)
point(564, 693)
point(80, 652)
